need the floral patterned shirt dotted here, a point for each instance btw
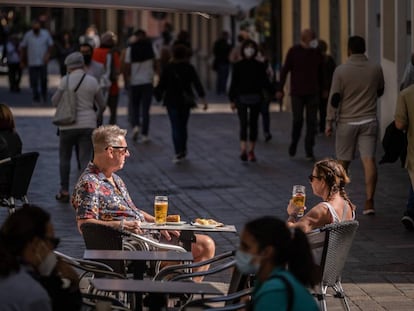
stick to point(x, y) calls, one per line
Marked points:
point(94, 197)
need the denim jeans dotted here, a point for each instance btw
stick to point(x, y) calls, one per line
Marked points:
point(310, 104)
point(140, 103)
point(179, 119)
point(265, 116)
point(222, 76)
point(67, 140)
point(38, 77)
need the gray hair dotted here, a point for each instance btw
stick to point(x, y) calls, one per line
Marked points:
point(107, 135)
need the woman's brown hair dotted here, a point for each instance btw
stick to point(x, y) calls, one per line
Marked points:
point(6, 118)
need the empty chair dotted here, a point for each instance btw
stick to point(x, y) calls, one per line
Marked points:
point(15, 176)
point(337, 242)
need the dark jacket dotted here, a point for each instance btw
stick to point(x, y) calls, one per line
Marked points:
point(176, 79)
point(394, 143)
point(249, 77)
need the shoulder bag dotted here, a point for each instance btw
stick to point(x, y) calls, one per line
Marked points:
point(66, 109)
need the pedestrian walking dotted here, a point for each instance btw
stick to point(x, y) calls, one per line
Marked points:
point(35, 50)
point(176, 90)
point(13, 63)
point(404, 119)
point(108, 55)
point(328, 67)
point(139, 71)
point(356, 86)
point(64, 47)
point(221, 64)
point(78, 134)
point(304, 63)
point(246, 96)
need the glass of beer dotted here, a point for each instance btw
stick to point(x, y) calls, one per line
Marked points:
point(160, 209)
point(298, 197)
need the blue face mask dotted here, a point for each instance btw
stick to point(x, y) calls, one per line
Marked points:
point(244, 263)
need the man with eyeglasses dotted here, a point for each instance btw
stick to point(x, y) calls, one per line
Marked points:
point(100, 196)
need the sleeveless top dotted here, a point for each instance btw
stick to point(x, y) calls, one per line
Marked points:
point(335, 215)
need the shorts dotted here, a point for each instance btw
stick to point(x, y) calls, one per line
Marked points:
point(350, 137)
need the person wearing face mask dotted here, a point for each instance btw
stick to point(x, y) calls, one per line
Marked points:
point(92, 67)
point(304, 62)
point(267, 247)
point(27, 241)
point(35, 51)
point(249, 80)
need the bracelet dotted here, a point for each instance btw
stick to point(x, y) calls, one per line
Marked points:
point(121, 224)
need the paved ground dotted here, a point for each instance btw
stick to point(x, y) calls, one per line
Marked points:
point(213, 183)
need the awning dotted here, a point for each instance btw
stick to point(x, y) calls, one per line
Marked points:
point(221, 7)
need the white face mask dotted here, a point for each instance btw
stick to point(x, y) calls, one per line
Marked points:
point(313, 44)
point(248, 52)
point(244, 263)
point(47, 265)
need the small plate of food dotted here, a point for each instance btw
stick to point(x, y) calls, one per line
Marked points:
point(174, 220)
point(207, 223)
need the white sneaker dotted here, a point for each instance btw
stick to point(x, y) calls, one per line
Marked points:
point(144, 139)
point(135, 133)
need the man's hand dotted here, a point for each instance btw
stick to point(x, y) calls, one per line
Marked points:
point(205, 104)
point(328, 128)
point(167, 234)
point(233, 106)
point(133, 226)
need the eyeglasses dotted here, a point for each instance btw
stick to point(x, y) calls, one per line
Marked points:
point(123, 149)
point(311, 177)
point(53, 241)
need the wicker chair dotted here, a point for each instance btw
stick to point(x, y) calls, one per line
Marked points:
point(15, 176)
point(336, 243)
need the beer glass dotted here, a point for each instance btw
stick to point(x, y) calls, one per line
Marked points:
point(298, 197)
point(160, 209)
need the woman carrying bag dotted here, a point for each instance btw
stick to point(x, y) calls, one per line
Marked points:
point(176, 89)
point(89, 105)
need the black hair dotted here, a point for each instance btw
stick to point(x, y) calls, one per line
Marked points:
point(180, 52)
point(291, 247)
point(19, 229)
point(356, 45)
point(89, 46)
point(246, 43)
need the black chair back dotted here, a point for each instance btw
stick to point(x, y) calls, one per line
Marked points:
point(98, 236)
point(15, 176)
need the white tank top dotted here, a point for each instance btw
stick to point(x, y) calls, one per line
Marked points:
point(335, 215)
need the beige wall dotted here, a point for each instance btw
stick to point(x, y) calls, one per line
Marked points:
point(324, 25)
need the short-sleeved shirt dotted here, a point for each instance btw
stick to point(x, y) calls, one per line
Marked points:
point(37, 46)
point(94, 197)
point(273, 294)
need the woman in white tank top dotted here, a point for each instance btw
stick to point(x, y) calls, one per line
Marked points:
point(328, 180)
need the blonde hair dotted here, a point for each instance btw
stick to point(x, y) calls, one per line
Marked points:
point(107, 135)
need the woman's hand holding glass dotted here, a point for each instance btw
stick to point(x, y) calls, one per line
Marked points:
point(293, 210)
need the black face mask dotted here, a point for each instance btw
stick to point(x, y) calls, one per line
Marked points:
point(87, 58)
point(36, 30)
